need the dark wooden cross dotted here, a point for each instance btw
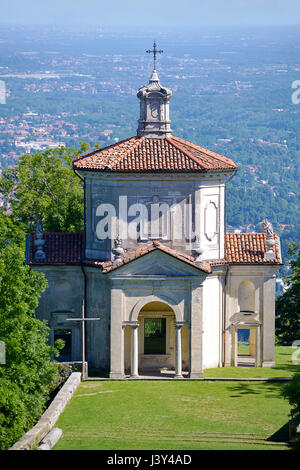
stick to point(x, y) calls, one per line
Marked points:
point(154, 51)
point(83, 319)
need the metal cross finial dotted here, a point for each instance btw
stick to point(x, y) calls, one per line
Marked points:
point(154, 52)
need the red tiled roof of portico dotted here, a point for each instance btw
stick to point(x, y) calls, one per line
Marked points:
point(241, 248)
point(143, 250)
point(247, 248)
point(140, 154)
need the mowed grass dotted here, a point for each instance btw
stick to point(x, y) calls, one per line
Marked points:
point(284, 367)
point(173, 415)
point(243, 348)
point(178, 415)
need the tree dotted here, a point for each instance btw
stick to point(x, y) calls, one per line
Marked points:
point(288, 304)
point(44, 187)
point(291, 392)
point(27, 376)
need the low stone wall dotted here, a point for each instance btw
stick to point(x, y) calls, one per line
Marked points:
point(50, 439)
point(32, 438)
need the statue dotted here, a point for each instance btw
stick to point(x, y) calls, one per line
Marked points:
point(196, 249)
point(39, 230)
point(267, 228)
point(39, 242)
point(117, 250)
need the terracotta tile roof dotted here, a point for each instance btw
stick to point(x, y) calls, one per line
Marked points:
point(143, 250)
point(68, 248)
point(140, 154)
point(217, 262)
point(245, 248)
point(60, 248)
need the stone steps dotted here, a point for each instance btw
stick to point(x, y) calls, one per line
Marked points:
point(217, 436)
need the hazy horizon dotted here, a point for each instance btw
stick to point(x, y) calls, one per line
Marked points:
point(157, 14)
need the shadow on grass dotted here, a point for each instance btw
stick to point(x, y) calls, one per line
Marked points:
point(283, 359)
point(281, 435)
point(293, 368)
point(271, 390)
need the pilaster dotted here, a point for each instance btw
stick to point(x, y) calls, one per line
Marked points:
point(116, 334)
point(196, 328)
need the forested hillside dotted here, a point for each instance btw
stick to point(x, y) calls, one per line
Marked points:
point(232, 93)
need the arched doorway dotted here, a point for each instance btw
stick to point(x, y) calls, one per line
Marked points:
point(162, 342)
point(246, 334)
point(241, 322)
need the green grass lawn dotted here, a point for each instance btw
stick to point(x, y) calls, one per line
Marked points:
point(243, 348)
point(283, 367)
point(178, 415)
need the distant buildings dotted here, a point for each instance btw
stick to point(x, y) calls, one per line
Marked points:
point(38, 145)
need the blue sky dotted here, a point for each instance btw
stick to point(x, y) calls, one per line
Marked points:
point(154, 13)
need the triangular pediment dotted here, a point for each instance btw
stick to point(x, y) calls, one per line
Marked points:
point(157, 264)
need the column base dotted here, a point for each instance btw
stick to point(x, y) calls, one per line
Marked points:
point(134, 376)
point(268, 364)
point(196, 375)
point(178, 376)
point(116, 375)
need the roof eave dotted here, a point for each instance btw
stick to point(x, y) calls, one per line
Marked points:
point(189, 263)
point(110, 170)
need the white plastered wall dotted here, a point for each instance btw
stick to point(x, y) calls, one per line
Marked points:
point(211, 200)
point(262, 277)
point(211, 322)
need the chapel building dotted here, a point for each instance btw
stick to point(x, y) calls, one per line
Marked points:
point(170, 289)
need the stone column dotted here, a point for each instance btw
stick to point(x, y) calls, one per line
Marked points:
point(234, 351)
point(178, 350)
point(257, 348)
point(116, 335)
point(252, 342)
point(229, 306)
point(268, 320)
point(134, 351)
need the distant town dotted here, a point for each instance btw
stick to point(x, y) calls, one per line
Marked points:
point(234, 88)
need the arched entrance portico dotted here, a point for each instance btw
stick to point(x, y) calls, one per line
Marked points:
point(154, 341)
point(183, 308)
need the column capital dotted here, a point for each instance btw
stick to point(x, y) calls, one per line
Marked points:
point(180, 324)
point(133, 324)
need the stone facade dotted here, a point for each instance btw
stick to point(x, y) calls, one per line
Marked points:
point(200, 288)
point(204, 194)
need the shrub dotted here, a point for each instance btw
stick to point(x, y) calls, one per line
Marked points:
point(291, 392)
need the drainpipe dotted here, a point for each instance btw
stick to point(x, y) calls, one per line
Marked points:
point(224, 314)
point(83, 251)
point(84, 372)
point(225, 210)
point(84, 236)
point(227, 268)
point(84, 203)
